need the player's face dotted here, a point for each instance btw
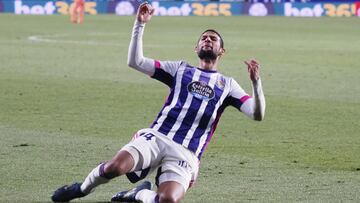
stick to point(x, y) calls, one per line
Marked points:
point(210, 41)
point(209, 45)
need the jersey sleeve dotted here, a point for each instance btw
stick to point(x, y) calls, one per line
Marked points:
point(237, 96)
point(251, 106)
point(165, 71)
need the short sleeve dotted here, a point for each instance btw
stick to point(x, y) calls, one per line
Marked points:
point(237, 96)
point(165, 71)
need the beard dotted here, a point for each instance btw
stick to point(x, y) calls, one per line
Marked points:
point(207, 55)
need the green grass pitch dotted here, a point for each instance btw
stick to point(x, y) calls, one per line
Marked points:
point(68, 101)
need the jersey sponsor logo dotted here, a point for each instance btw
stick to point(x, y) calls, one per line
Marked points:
point(201, 90)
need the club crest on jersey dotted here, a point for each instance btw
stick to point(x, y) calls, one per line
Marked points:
point(201, 90)
point(220, 83)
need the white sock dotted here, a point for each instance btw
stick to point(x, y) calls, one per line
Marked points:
point(147, 196)
point(93, 180)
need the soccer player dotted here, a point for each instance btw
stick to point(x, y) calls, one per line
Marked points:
point(77, 13)
point(174, 143)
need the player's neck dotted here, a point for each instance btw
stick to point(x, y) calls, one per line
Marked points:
point(210, 65)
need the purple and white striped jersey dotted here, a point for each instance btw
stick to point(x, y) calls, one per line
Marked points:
point(196, 101)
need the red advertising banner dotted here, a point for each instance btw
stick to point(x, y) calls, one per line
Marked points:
point(357, 9)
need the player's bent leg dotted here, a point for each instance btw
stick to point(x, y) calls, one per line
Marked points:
point(77, 190)
point(122, 162)
point(170, 192)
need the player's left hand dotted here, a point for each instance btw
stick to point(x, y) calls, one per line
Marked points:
point(253, 69)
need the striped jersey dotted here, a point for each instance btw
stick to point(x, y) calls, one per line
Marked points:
point(196, 101)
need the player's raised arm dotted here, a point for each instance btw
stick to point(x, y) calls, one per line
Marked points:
point(136, 58)
point(255, 106)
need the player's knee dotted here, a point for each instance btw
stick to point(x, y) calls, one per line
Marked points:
point(168, 198)
point(122, 163)
point(114, 167)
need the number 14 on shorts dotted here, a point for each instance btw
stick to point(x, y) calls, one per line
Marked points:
point(148, 136)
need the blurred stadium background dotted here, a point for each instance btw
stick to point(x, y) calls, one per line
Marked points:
point(68, 100)
point(314, 8)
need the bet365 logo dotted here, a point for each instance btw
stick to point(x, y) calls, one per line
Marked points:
point(50, 7)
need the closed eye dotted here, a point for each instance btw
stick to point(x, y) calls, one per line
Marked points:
point(212, 38)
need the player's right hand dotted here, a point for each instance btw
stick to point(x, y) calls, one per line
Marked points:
point(145, 12)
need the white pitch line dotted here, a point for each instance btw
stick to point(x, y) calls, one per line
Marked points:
point(47, 39)
point(38, 38)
